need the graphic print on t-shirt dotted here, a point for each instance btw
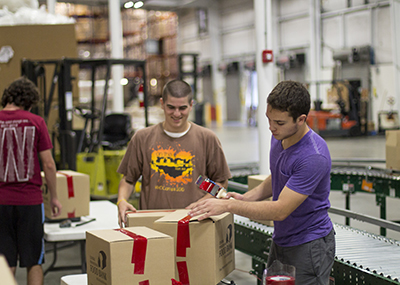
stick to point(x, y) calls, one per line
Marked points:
point(176, 166)
point(16, 151)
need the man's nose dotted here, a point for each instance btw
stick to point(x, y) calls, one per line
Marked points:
point(271, 128)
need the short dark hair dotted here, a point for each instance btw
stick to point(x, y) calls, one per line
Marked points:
point(21, 92)
point(290, 96)
point(178, 89)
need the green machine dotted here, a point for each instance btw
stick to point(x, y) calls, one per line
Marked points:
point(102, 168)
point(100, 158)
point(98, 148)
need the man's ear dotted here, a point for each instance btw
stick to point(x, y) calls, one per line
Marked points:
point(302, 119)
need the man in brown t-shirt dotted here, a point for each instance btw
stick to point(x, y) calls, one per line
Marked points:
point(170, 156)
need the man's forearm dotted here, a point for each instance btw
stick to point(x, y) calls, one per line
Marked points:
point(51, 179)
point(125, 190)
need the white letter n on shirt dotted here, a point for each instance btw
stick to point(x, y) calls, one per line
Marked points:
point(16, 149)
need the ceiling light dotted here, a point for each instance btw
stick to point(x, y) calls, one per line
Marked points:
point(138, 4)
point(153, 82)
point(124, 81)
point(128, 4)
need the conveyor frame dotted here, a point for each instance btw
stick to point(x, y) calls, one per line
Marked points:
point(256, 241)
point(349, 176)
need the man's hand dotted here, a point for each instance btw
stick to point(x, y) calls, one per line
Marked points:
point(123, 207)
point(55, 207)
point(234, 195)
point(208, 207)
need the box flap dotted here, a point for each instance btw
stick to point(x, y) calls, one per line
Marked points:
point(175, 216)
point(113, 235)
point(109, 235)
point(149, 213)
point(147, 232)
point(181, 213)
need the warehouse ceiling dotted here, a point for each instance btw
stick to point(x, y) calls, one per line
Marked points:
point(148, 4)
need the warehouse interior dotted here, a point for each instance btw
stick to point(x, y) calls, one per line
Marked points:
point(101, 65)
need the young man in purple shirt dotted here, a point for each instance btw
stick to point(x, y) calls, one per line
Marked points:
point(299, 183)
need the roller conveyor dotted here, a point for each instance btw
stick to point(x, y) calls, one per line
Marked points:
point(383, 181)
point(368, 251)
point(380, 182)
point(366, 171)
point(361, 257)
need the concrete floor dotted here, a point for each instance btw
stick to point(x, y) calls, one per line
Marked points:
point(236, 137)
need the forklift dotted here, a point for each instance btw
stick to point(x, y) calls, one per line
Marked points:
point(351, 120)
point(99, 146)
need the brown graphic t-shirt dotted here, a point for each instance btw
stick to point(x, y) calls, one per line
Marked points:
point(170, 166)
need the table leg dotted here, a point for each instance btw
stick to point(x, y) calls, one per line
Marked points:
point(54, 259)
point(83, 255)
point(82, 266)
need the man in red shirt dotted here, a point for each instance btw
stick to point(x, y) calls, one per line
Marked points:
point(24, 139)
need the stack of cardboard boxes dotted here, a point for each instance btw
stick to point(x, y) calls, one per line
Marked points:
point(185, 249)
point(157, 246)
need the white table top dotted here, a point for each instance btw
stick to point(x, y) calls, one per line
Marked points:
point(105, 212)
point(76, 279)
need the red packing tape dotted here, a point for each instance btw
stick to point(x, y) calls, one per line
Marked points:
point(174, 282)
point(71, 214)
point(183, 236)
point(70, 184)
point(138, 250)
point(183, 272)
point(145, 282)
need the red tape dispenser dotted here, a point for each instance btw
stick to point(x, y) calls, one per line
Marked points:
point(211, 187)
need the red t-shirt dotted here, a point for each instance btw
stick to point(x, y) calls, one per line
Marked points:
point(22, 136)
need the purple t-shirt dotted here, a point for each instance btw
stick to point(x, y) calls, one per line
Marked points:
point(22, 136)
point(305, 168)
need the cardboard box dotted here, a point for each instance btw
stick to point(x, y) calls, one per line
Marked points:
point(252, 182)
point(393, 149)
point(73, 191)
point(38, 42)
point(255, 180)
point(7, 278)
point(134, 255)
point(205, 250)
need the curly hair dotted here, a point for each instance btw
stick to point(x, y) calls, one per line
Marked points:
point(22, 92)
point(178, 89)
point(290, 96)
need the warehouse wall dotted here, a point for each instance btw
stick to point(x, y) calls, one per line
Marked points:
point(362, 25)
point(342, 27)
point(235, 40)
